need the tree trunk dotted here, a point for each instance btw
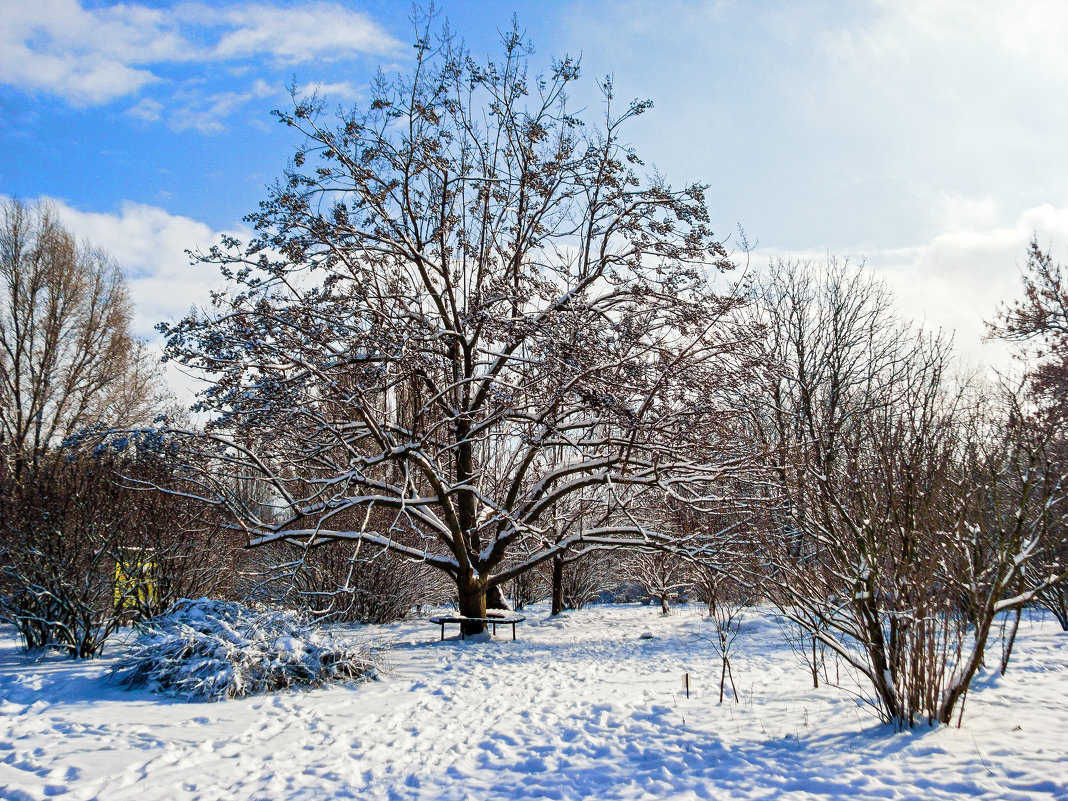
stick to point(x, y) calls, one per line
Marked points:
point(1007, 653)
point(665, 608)
point(472, 597)
point(881, 676)
point(956, 691)
point(815, 665)
point(558, 585)
point(495, 599)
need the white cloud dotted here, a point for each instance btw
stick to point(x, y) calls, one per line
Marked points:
point(961, 277)
point(205, 113)
point(312, 32)
point(89, 56)
point(958, 279)
point(150, 245)
point(958, 61)
point(960, 212)
point(147, 109)
point(916, 33)
point(84, 56)
point(341, 90)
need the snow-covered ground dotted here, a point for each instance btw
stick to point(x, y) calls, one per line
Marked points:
point(580, 707)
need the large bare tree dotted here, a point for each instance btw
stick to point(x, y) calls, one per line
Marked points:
point(466, 305)
point(67, 356)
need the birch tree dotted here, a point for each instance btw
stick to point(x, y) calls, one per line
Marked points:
point(464, 305)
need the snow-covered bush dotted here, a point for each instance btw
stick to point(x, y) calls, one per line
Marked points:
point(207, 650)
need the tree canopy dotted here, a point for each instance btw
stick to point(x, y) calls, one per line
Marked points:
point(68, 359)
point(467, 305)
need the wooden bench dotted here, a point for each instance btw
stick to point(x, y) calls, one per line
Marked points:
point(490, 620)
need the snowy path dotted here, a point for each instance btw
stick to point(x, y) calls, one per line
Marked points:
point(579, 708)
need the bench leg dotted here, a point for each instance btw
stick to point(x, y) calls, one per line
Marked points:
point(513, 632)
point(443, 631)
point(494, 629)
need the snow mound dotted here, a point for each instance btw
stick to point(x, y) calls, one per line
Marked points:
point(207, 650)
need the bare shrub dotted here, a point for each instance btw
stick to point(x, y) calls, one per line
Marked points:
point(1038, 322)
point(912, 504)
point(728, 600)
point(1054, 598)
point(662, 574)
point(360, 583)
point(529, 587)
point(82, 551)
point(582, 577)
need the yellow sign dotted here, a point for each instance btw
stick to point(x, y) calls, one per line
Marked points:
point(135, 587)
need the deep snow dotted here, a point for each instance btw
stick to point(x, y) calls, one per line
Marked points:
point(579, 707)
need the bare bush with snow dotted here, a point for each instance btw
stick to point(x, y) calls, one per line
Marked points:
point(915, 505)
point(208, 650)
point(83, 551)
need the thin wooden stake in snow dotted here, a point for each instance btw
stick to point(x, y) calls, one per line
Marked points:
point(686, 683)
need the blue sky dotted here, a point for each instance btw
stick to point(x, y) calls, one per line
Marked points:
point(925, 136)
